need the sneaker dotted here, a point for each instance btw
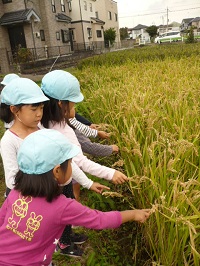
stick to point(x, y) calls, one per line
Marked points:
point(72, 251)
point(78, 238)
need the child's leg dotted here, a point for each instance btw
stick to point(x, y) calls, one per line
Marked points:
point(77, 190)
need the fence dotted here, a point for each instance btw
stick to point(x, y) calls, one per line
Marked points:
point(25, 55)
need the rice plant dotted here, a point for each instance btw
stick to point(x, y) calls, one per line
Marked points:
point(149, 99)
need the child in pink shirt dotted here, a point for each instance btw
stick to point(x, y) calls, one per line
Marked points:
point(35, 212)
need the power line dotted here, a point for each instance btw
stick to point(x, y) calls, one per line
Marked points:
point(157, 13)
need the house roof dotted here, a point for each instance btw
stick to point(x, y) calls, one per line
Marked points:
point(187, 20)
point(19, 16)
point(98, 20)
point(63, 17)
point(195, 19)
point(139, 27)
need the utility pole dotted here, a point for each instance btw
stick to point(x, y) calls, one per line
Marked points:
point(167, 17)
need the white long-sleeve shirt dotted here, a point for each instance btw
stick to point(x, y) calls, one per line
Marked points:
point(10, 144)
point(81, 160)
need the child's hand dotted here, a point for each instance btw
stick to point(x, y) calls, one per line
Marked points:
point(98, 187)
point(103, 135)
point(115, 148)
point(119, 178)
point(135, 215)
point(141, 215)
point(94, 126)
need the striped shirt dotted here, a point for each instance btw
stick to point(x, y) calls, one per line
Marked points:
point(86, 130)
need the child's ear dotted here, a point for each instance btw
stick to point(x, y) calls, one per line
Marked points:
point(57, 171)
point(14, 109)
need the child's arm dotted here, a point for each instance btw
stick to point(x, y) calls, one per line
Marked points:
point(77, 214)
point(93, 148)
point(135, 215)
point(88, 131)
point(82, 179)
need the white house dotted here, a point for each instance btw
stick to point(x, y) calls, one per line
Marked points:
point(139, 33)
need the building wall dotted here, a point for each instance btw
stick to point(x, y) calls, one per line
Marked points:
point(108, 12)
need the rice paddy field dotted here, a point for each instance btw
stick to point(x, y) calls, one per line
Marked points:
point(149, 98)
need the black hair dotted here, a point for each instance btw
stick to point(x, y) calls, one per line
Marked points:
point(42, 185)
point(53, 112)
point(7, 116)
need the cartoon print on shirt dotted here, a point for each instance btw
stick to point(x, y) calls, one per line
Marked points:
point(19, 212)
point(33, 224)
point(20, 209)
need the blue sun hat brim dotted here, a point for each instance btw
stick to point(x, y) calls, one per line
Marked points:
point(44, 149)
point(22, 91)
point(62, 85)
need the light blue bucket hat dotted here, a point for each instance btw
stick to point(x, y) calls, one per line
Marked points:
point(42, 150)
point(22, 91)
point(8, 78)
point(62, 85)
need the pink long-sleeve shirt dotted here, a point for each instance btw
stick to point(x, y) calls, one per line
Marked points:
point(30, 227)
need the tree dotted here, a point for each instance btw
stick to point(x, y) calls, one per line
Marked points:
point(190, 36)
point(152, 30)
point(124, 33)
point(110, 35)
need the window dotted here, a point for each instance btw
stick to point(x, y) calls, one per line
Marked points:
point(97, 14)
point(99, 34)
point(85, 5)
point(53, 6)
point(89, 33)
point(90, 7)
point(65, 36)
point(57, 35)
point(109, 15)
point(62, 5)
point(42, 36)
point(70, 6)
point(6, 1)
point(116, 17)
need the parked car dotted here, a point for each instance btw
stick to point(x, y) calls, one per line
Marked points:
point(170, 36)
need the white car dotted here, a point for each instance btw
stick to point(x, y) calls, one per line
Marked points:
point(170, 36)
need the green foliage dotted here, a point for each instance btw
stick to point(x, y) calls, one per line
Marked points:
point(123, 33)
point(190, 36)
point(110, 35)
point(24, 55)
point(152, 30)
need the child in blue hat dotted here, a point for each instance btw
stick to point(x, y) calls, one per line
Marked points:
point(35, 213)
point(63, 90)
point(6, 80)
point(22, 100)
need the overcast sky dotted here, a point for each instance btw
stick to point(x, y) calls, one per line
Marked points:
point(154, 12)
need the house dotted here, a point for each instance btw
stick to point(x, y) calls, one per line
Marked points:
point(51, 27)
point(86, 26)
point(107, 11)
point(139, 33)
point(35, 24)
point(185, 23)
point(195, 23)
